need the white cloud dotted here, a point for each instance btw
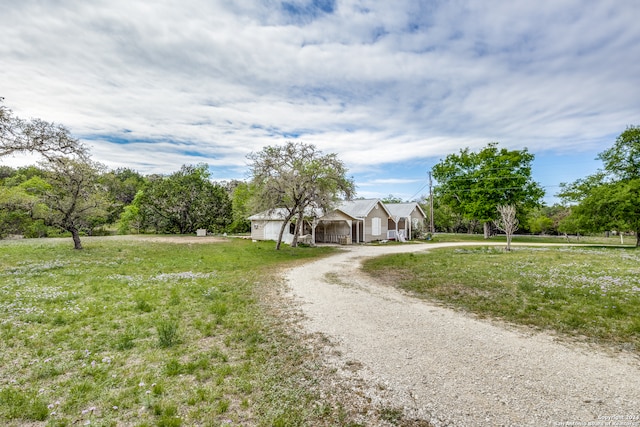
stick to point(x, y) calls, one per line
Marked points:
point(378, 82)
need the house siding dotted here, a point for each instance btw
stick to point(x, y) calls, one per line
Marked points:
point(257, 229)
point(376, 212)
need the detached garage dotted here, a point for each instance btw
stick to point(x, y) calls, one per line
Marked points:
point(266, 226)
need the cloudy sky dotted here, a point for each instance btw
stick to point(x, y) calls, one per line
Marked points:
point(392, 86)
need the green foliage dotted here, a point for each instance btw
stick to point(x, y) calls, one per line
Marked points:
point(74, 200)
point(473, 184)
point(609, 199)
point(392, 199)
point(131, 218)
point(546, 219)
point(184, 202)
point(240, 205)
point(122, 185)
point(623, 159)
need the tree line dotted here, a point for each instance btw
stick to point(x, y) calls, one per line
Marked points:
point(83, 198)
point(477, 191)
point(68, 191)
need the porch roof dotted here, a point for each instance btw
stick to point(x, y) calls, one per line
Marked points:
point(404, 210)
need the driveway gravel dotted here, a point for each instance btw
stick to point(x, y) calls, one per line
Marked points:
point(451, 368)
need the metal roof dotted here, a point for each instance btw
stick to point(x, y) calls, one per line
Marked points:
point(403, 210)
point(360, 208)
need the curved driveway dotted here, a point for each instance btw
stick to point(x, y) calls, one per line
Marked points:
point(453, 369)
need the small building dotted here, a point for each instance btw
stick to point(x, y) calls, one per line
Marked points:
point(405, 218)
point(266, 226)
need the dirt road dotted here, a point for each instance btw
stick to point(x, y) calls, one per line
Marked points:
point(450, 368)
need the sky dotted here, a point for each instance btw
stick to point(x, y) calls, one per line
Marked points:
point(392, 87)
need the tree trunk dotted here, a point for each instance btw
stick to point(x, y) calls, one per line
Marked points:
point(487, 230)
point(285, 224)
point(75, 234)
point(296, 233)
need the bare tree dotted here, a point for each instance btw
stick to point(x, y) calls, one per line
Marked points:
point(36, 136)
point(507, 222)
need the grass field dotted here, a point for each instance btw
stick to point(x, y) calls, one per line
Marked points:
point(139, 332)
point(592, 293)
point(525, 238)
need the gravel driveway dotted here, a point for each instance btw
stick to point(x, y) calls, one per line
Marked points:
point(450, 368)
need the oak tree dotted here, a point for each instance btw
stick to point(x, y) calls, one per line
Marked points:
point(75, 200)
point(474, 184)
point(299, 179)
point(610, 198)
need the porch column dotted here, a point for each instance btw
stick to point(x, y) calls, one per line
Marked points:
point(396, 220)
point(314, 224)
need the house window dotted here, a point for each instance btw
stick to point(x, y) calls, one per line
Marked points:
point(376, 226)
point(292, 228)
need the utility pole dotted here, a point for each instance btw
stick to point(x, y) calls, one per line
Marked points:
point(431, 227)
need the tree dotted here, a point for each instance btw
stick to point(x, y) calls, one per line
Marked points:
point(36, 136)
point(130, 218)
point(546, 219)
point(507, 222)
point(474, 184)
point(185, 201)
point(299, 179)
point(539, 223)
point(122, 185)
point(392, 199)
point(622, 161)
point(610, 198)
point(240, 198)
point(74, 200)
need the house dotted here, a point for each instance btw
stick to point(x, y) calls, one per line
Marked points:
point(354, 221)
point(405, 218)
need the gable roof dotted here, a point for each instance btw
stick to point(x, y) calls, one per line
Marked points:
point(360, 208)
point(404, 210)
point(279, 214)
point(269, 215)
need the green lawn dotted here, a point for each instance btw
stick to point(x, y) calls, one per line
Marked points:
point(593, 293)
point(136, 332)
point(525, 238)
